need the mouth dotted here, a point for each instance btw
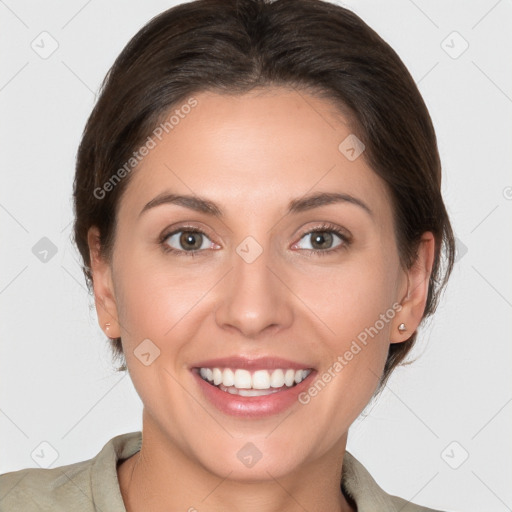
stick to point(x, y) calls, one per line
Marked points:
point(252, 387)
point(242, 382)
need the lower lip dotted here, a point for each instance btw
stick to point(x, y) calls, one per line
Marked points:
point(252, 406)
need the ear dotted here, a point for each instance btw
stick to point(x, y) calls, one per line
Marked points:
point(415, 291)
point(104, 297)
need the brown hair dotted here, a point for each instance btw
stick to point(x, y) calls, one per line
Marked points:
point(232, 46)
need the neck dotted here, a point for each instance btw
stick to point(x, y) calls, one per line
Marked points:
point(161, 477)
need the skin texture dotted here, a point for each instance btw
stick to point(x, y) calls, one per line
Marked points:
point(251, 155)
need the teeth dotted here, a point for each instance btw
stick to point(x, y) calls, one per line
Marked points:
point(248, 392)
point(260, 379)
point(234, 380)
point(277, 379)
point(228, 377)
point(299, 376)
point(217, 376)
point(242, 379)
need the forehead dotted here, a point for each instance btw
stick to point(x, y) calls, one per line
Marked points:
point(256, 150)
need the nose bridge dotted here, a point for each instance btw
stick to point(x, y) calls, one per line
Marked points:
point(253, 298)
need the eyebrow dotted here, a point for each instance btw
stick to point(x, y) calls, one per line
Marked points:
point(299, 205)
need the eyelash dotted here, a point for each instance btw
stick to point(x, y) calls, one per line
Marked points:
point(328, 228)
point(323, 228)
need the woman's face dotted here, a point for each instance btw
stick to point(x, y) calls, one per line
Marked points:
point(254, 287)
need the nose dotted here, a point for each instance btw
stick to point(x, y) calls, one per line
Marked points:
point(255, 300)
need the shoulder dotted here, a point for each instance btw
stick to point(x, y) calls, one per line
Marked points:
point(37, 489)
point(357, 483)
point(406, 506)
point(88, 485)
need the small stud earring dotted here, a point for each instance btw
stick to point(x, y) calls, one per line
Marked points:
point(402, 328)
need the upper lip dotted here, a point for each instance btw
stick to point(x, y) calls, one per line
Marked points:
point(259, 363)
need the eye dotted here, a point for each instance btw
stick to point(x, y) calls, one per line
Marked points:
point(189, 241)
point(185, 241)
point(324, 239)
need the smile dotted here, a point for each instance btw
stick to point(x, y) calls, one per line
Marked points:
point(249, 387)
point(256, 383)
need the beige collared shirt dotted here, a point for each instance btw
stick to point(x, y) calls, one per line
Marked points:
point(92, 485)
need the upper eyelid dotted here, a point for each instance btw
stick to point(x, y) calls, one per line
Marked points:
point(339, 231)
point(169, 232)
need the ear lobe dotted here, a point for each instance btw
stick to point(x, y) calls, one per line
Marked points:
point(415, 300)
point(104, 298)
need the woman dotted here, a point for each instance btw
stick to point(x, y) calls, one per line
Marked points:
point(258, 208)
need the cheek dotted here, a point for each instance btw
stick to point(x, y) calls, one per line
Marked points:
point(155, 297)
point(351, 297)
point(357, 309)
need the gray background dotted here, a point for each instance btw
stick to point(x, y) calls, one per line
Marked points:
point(454, 402)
